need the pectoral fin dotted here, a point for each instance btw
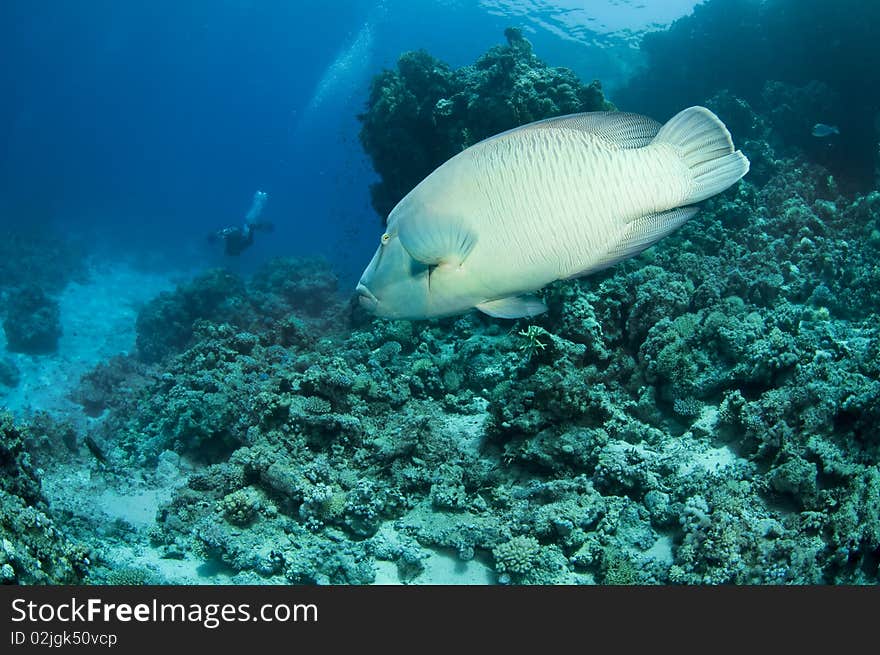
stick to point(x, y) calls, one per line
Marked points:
point(513, 307)
point(623, 130)
point(432, 241)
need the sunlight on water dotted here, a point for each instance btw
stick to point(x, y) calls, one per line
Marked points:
point(580, 20)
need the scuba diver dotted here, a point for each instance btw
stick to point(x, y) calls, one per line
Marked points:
point(238, 239)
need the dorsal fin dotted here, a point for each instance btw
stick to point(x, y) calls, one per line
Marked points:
point(624, 130)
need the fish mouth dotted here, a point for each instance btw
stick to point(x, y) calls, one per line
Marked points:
point(366, 298)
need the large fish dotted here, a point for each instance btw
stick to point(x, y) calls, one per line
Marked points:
point(551, 200)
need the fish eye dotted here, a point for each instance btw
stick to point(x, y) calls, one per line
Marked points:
point(386, 238)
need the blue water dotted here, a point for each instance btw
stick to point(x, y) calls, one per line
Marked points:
point(143, 126)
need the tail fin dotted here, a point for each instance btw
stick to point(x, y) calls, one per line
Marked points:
point(705, 146)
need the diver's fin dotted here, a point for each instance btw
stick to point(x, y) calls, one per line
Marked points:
point(513, 307)
point(641, 234)
point(623, 130)
point(704, 145)
point(434, 242)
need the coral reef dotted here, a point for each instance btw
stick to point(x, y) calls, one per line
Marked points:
point(702, 414)
point(127, 576)
point(33, 549)
point(100, 387)
point(32, 321)
point(423, 113)
point(517, 557)
point(37, 254)
point(165, 325)
point(10, 376)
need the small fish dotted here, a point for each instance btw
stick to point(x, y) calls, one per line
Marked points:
point(821, 130)
point(95, 449)
point(556, 199)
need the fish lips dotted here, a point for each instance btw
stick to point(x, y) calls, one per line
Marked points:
point(366, 298)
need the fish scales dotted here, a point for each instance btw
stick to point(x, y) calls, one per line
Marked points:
point(545, 204)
